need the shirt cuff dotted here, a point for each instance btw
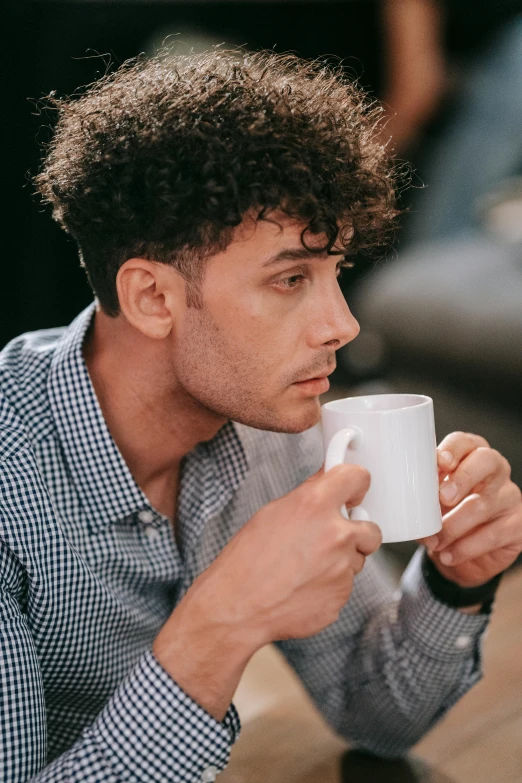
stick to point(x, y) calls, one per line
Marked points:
point(443, 632)
point(152, 731)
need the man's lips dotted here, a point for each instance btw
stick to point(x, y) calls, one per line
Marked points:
point(317, 385)
point(319, 376)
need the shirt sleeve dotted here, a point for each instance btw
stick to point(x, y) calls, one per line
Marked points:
point(23, 730)
point(392, 664)
point(149, 732)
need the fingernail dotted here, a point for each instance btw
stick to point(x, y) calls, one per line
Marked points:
point(431, 542)
point(446, 558)
point(449, 492)
point(446, 457)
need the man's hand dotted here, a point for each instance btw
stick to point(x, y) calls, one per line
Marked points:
point(286, 574)
point(290, 570)
point(482, 512)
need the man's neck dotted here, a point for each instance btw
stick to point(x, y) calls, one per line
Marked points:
point(152, 419)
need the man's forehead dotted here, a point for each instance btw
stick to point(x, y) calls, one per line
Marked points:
point(278, 238)
point(301, 254)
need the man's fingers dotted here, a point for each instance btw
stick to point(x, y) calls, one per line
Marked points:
point(358, 562)
point(501, 533)
point(368, 536)
point(482, 466)
point(454, 447)
point(346, 484)
point(474, 511)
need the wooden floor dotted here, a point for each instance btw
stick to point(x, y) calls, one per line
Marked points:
point(284, 739)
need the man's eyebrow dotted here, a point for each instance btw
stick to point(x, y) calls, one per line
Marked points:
point(298, 254)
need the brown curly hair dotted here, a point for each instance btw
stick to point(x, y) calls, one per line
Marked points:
point(164, 157)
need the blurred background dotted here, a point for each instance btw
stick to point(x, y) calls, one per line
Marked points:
point(440, 313)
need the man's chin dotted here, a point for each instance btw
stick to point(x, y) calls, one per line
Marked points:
point(297, 418)
point(303, 420)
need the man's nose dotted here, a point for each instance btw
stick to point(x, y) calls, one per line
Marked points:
point(342, 326)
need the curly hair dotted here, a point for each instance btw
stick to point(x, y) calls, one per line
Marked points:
point(164, 157)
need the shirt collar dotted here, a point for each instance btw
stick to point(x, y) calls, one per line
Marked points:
point(101, 476)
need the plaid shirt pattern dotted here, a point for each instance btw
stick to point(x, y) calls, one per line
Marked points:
point(90, 571)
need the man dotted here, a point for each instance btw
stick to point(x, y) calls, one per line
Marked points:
point(163, 509)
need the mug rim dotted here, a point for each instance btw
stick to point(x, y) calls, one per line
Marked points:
point(423, 399)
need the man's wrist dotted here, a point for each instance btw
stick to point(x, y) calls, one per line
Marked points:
point(474, 599)
point(149, 717)
point(476, 609)
point(204, 656)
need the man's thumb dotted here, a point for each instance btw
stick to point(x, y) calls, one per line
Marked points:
point(315, 476)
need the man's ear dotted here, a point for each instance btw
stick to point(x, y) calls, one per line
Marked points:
point(150, 294)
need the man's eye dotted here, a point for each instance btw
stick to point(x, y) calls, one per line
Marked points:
point(292, 282)
point(295, 281)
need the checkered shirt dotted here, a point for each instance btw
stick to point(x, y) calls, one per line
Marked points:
point(90, 571)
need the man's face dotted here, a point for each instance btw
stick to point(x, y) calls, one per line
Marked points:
point(263, 327)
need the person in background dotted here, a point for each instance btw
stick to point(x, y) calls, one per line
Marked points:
point(163, 508)
point(474, 50)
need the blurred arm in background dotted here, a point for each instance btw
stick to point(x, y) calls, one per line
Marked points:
point(415, 70)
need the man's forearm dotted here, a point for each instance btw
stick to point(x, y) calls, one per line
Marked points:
point(204, 656)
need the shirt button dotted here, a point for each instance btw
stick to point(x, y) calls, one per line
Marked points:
point(152, 533)
point(461, 642)
point(146, 516)
point(209, 775)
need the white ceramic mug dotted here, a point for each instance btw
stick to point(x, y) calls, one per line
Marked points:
point(393, 436)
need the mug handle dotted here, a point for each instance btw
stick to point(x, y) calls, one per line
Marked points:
point(335, 456)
